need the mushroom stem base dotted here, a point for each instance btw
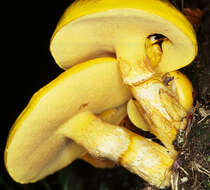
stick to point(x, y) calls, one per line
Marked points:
point(139, 155)
point(162, 111)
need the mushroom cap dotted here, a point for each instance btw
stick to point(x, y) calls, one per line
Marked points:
point(34, 148)
point(135, 116)
point(184, 89)
point(90, 29)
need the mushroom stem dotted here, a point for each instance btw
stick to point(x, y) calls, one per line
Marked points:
point(113, 116)
point(142, 156)
point(163, 112)
point(134, 64)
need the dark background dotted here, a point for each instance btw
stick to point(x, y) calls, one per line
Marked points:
point(27, 27)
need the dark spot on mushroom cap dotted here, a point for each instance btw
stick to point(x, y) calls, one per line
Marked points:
point(83, 106)
point(167, 80)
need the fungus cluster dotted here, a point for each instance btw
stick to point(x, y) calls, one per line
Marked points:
point(121, 58)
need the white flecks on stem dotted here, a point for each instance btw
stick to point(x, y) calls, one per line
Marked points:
point(150, 93)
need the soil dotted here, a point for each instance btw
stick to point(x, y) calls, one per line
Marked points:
point(191, 169)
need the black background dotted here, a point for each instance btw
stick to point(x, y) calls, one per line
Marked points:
point(26, 63)
point(29, 64)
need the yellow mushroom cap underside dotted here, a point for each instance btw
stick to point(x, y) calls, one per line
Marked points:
point(184, 89)
point(90, 29)
point(34, 148)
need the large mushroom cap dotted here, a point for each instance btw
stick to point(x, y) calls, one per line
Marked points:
point(35, 149)
point(90, 29)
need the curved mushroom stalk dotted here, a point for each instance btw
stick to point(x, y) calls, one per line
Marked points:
point(139, 155)
point(113, 116)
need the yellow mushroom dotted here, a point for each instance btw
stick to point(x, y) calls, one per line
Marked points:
point(90, 29)
point(180, 88)
point(179, 85)
point(54, 129)
point(34, 148)
point(149, 38)
point(183, 88)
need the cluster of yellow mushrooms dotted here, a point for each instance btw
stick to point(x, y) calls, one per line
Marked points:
point(120, 59)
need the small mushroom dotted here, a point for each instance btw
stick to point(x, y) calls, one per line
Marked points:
point(182, 89)
point(174, 99)
point(34, 148)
